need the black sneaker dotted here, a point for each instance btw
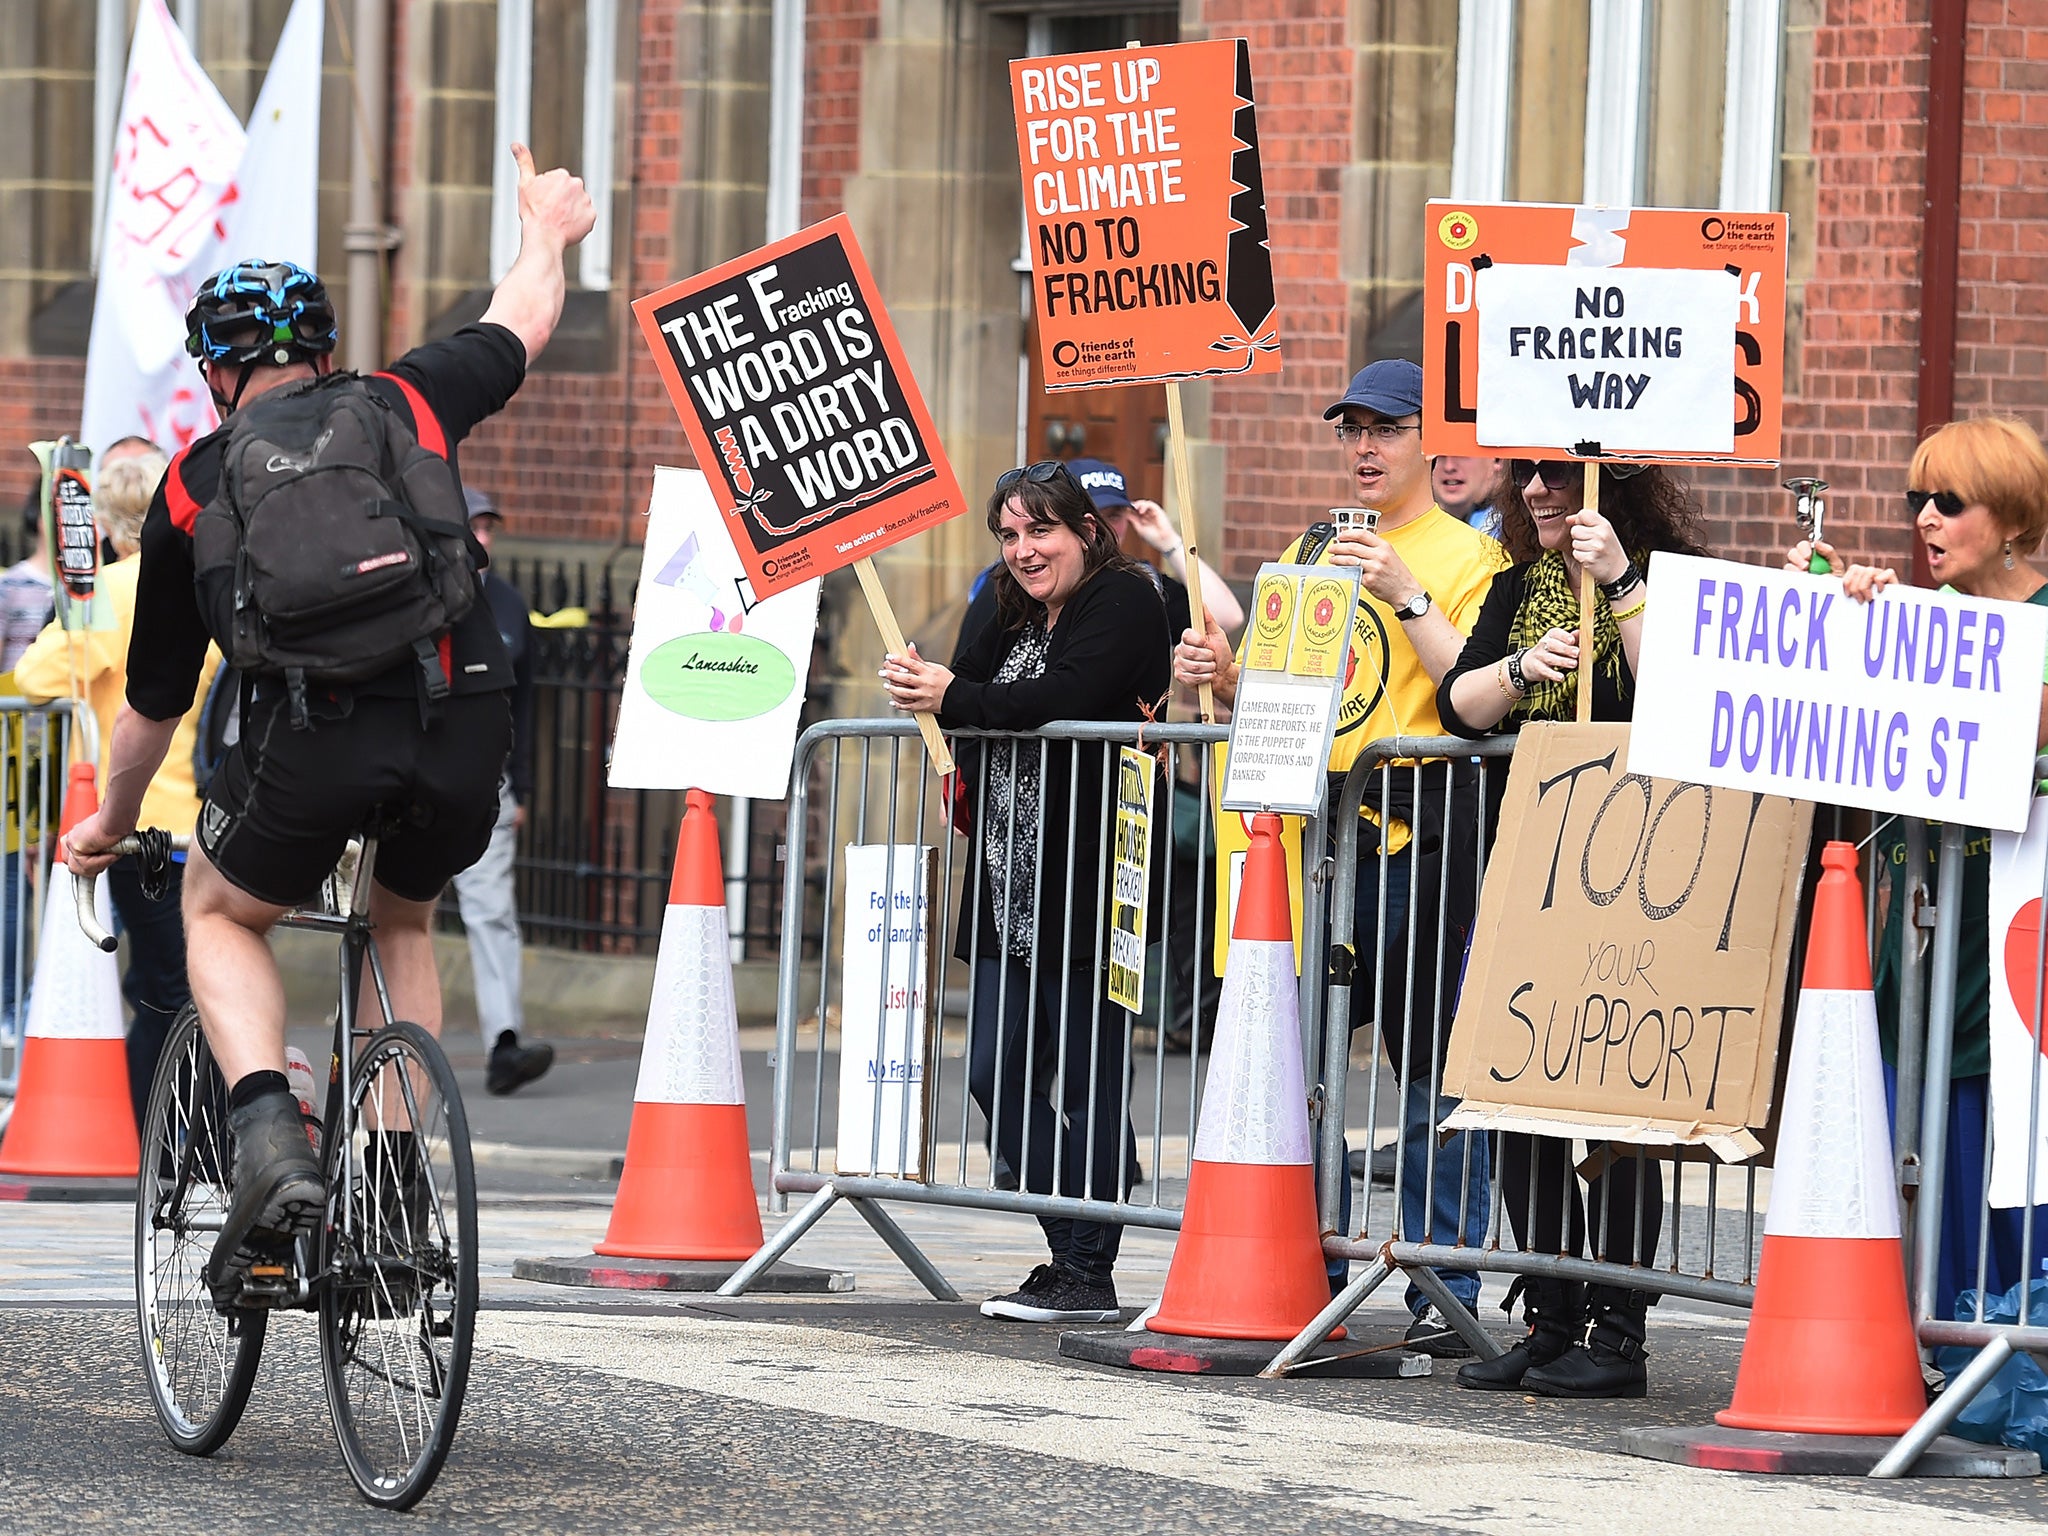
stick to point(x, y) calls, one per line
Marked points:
point(279, 1193)
point(514, 1065)
point(1430, 1335)
point(1064, 1297)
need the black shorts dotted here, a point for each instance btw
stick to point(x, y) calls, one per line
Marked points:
point(285, 802)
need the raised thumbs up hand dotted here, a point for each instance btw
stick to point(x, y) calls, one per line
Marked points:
point(553, 205)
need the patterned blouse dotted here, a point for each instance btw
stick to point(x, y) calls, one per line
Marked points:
point(1010, 843)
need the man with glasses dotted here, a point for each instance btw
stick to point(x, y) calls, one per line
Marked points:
point(1424, 575)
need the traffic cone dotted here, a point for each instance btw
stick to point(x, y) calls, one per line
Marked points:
point(73, 1118)
point(687, 1191)
point(1831, 1346)
point(1249, 1263)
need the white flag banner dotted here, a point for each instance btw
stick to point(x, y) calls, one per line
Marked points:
point(188, 192)
point(2019, 876)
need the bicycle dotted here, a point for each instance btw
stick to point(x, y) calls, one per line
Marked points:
point(391, 1273)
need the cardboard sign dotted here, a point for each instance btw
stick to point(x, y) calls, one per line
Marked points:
point(1633, 360)
point(1146, 214)
point(1634, 934)
point(886, 1042)
point(1634, 265)
point(715, 677)
point(1920, 702)
point(799, 406)
point(1129, 885)
point(1289, 688)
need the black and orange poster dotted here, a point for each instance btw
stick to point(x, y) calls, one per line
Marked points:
point(1146, 214)
point(1608, 346)
point(799, 406)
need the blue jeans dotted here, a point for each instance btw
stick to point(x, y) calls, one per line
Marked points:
point(1429, 1207)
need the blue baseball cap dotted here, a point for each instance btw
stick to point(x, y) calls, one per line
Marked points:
point(1104, 483)
point(1391, 387)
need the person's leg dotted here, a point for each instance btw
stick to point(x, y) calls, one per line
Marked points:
point(999, 1082)
point(1532, 1172)
point(490, 920)
point(1094, 1099)
point(233, 974)
point(155, 984)
point(405, 946)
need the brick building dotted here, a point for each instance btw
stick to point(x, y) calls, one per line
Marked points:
point(1838, 111)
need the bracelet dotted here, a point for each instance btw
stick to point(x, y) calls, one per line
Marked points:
point(1516, 679)
point(1500, 676)
point(1621, 585)
point(1635, 612)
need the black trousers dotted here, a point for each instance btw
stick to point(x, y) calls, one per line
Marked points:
point(1625, 1200)
point(155, 984)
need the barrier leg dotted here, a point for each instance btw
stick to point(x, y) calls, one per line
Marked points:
point(1342, 1305)
point(778, 1245)
point(1427, 1281)
point(1944, 1411)
point(900, 1244)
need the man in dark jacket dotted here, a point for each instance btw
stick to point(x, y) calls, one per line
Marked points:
point(484, 892)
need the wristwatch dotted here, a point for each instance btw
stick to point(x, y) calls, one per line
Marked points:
point(1414, 608)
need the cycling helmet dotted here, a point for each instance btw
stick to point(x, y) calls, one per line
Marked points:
point(272, 312)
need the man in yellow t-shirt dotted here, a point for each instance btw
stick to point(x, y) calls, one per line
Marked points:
point(1423, 575)
point(155, 984)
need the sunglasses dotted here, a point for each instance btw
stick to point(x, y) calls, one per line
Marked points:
point(1947, 503)
point(1037, 474)
point(1558, 474)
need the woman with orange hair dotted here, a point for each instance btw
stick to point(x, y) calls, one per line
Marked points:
point(1978, 493)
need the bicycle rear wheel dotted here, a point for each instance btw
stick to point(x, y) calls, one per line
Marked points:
point(398, 1295)
point(199, 1364)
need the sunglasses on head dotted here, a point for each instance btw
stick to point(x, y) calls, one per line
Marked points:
point(1947, 503)
point(1558, 474)
point(1037, 474)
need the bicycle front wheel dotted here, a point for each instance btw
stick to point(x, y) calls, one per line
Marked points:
point(398, 1289)
point(199, 1364)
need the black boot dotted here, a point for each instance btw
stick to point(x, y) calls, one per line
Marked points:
point(279, 1192)
point(1611, 1363)
point(1556, 1312)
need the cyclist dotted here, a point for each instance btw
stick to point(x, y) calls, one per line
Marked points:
point(309, 769)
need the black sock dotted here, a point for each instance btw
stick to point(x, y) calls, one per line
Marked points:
point(508, 1040)
point(254, 1086)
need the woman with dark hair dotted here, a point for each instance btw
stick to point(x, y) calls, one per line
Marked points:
point(1080, 634)
point(1521, 664)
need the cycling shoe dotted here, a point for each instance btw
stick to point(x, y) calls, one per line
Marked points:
point(279, 1193)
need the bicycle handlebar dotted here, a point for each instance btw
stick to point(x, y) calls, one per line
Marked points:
point(83, 887)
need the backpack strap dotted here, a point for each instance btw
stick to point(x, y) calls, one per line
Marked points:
point(426, 425)
point(183, 509)
point(432, 680)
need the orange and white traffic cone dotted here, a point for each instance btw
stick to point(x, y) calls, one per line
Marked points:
point(1249, 1263)
point(73, 1121)
point(687, 1191)
point(1831, 1346)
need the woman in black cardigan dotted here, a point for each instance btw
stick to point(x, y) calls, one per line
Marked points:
point(1520, 664)
point(1081, 634)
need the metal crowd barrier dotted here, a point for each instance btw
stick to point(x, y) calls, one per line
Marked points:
point(868, 782)
point(34, 745)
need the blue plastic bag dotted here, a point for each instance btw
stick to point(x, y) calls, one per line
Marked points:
point(2013, 1407)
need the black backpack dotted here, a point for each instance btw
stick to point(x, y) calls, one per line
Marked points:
point(336, 548)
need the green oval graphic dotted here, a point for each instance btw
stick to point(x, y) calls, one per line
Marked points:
point(718, 677)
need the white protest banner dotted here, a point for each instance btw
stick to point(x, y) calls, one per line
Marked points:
point(1923, 703)
point(1130, 885)
point(891, 973)
point(715, 680)
point(2019, 1075)
point(1632, 358)
point(1289, 686)
point(276, 211)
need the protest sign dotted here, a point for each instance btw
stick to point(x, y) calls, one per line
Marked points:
point(1924, 703)
point(1233, 837)
point(2019, 1072)
point(1486, 308)
point(1289, 688)
point(71, 534)
point(1145, 214)
point(715, 677)
point(1634, 935)
point(796, 399)
point(886, 1042)
point(1129, 886)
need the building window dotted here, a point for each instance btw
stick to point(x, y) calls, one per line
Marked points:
point(565, 114)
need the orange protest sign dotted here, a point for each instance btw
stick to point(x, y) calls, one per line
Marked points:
point(798, 404)
point(1549, 327)
point(1146, 214)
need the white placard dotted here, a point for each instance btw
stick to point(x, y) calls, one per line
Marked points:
point(1924, 703)
point(1635, 359)
point(1285, 714)
point(715, 680)
point(2019, 1108)
point(889, 972)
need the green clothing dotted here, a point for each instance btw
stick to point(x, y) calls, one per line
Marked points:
point(1973, 955)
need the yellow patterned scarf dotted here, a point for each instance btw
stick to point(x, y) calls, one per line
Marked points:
point(1548, 602)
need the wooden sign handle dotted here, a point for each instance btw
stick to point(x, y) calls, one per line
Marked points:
point(892, 641)
point(1184, 489)
point(1591, 501)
